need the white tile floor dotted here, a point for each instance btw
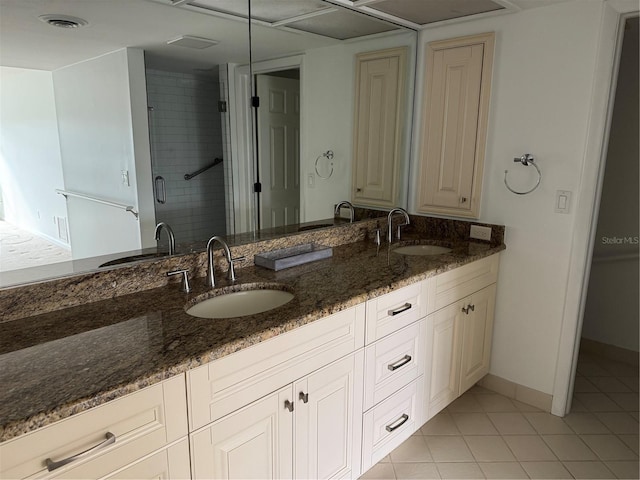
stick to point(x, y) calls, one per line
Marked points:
point(485, 435)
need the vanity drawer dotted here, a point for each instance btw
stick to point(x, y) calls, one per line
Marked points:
point(141, 422)
point(451, 286)
point(391, 422)
point(228, 384)
point(392, 311)
point(393, 362)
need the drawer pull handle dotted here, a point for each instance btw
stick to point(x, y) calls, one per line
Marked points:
point(403, 308)
point(304, 397)
point(403, 361)
point(401, 421)
point(288, 405)
point(51, 465)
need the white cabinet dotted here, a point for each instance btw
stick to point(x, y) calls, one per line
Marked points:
point(443, 343)
point(455, 114)
point(304, 430)
point(289, 407)
point(378, 126)
point(328, 421)
point(169, 463)
point(477, 331)
point(394, 367)
point(108, 437)
point(253, 442)
point(459, 335)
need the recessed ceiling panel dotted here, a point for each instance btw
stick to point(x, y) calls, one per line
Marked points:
point(430, 11)
point(267, 11)
point(342, 25)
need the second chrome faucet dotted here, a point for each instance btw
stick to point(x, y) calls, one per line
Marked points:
point(231, 273)
point(390, 222)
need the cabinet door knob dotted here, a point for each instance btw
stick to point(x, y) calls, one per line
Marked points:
point(358, 189)
point(469, 308)
point(288, 405)
point(304, 397)
point(463, 199)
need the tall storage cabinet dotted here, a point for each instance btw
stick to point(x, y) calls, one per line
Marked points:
point(378, 125)
point(454, 125)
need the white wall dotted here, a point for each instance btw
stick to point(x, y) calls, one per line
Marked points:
point(327, 85)
point(544, 68)
point(93, 104)
point(611, 314)
point(30, 164)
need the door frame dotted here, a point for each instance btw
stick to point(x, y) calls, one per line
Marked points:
point(242, 140)
point(614, 15)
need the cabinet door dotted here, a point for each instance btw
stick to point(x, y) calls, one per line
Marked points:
point(443, 343)
point(455, 117)
point(253, 442)
point(477, 336)
point(379, 93)
point(327, 429)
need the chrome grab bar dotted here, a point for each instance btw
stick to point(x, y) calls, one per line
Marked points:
point(53, 465)
point(189, 176)
point(67, 193)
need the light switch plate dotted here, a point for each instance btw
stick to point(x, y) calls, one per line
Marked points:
point(563, 201)
point(480, 233)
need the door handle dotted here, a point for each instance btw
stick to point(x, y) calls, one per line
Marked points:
point(161, 190)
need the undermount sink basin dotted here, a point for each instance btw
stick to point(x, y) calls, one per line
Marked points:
point(241, 301)
point(422, 250)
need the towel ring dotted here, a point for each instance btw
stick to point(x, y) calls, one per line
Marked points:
point(526, 160)
point(329, 156)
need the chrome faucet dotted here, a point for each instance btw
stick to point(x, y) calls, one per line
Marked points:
point(390, 225)
point(172, 238)
point(231, 273)
point(344, 203)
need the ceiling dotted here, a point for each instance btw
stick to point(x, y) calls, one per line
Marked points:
point(282, 27)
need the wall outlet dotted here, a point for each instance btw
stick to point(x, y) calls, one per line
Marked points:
point(481, 233)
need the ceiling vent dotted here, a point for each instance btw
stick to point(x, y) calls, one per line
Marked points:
point(190, 41)
point(63, 21)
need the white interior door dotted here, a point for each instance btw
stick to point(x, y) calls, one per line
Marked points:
point(279, 150)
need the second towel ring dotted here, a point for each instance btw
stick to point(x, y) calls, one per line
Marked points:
point(526, 160)
point(329, 156)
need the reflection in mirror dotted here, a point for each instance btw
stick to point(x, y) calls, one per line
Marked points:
point(143, 108)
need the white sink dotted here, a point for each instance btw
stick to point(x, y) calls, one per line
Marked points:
point(240, 302)
point(422, 250)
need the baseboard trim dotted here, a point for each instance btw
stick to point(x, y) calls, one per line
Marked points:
point(518, 392)
point(612, 352)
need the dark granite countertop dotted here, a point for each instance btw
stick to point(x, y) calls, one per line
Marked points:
point(57, 364)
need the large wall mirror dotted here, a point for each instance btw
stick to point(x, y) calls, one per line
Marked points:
point(116, 115)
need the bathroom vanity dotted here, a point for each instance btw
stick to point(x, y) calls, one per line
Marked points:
point(373, 345)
